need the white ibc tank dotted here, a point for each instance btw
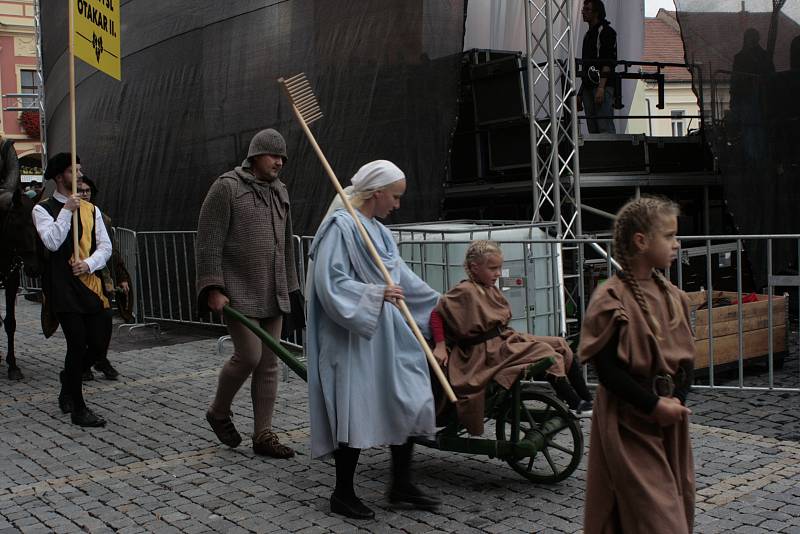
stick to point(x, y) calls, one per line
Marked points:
point(435, 251)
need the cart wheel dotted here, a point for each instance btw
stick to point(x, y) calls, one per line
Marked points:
point(563, 447)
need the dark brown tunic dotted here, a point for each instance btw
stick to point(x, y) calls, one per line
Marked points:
point(641, 475)
point(471, 310)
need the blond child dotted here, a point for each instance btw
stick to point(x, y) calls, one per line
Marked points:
point(472, 318)
point(637, 335)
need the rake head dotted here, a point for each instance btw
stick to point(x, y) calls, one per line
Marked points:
point(302, 97)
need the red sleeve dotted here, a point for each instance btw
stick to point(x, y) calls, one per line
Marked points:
point(437, 326)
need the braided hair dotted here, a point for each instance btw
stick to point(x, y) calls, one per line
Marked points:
point(643, 215)
point(477, 252)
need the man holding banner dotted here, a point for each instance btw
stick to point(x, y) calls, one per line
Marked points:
point(72, 290)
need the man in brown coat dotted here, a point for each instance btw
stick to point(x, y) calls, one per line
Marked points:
point(245, 257)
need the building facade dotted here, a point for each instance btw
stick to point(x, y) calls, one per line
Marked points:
point(662, 43)
point(18, 74)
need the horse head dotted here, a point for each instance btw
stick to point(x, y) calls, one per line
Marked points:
point(18, 238)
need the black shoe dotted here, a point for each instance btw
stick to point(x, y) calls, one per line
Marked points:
point(65, 403)
point(409, 494)
point(87, 376)
point(87, 418)
point(351, 507)
point(108, 371)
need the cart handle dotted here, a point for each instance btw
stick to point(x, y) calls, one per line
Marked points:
point(273, 345)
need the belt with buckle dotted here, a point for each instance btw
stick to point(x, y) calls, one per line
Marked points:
point(664, 384)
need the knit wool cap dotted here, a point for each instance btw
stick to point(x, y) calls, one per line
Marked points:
point(267, 141)
point(58, 164)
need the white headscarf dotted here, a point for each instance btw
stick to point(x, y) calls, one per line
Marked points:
point(373, 176)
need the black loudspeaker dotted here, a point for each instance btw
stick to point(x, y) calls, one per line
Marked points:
point(677, 154)
point(509, 147)
point(499, 90)
point(614, 153)
point(476, 56)
point(467, 158)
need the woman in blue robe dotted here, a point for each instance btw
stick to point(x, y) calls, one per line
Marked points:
point(368, 380)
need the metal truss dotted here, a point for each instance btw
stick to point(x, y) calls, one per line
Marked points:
point(40, 80)
point(554, 139)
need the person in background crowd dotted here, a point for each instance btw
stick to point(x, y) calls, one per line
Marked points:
point(87, 190)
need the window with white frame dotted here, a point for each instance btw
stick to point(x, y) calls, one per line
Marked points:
point(27, 85)
point(678, 129)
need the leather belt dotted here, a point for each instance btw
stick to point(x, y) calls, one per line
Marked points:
point(466, 343)
point(664, 384)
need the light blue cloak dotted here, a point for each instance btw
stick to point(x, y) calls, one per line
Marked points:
point(368, 379)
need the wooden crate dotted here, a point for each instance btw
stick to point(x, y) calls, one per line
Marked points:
point(725, 328)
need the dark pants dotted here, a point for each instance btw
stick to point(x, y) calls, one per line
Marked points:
point(599, 117)
point(103, 355)
point(87, 338)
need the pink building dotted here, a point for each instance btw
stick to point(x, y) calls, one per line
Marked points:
point(18, 64)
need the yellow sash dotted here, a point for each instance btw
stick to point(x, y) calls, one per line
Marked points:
point(90, 280)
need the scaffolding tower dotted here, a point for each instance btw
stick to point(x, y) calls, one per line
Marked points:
point(40, 80)
point(554, 133)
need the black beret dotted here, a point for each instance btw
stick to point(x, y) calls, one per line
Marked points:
point(58, 164)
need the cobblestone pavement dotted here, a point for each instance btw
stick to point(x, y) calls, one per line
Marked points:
point(157, 468)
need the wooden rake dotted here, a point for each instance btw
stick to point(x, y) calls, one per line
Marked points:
point(306, 110)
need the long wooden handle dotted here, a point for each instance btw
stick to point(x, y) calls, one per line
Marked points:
point(376, 257)
point(72, 129)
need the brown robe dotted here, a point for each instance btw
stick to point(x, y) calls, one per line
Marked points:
point(641, 475)
point(471, 310)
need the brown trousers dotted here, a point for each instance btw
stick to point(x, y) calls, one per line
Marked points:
point(250, 356)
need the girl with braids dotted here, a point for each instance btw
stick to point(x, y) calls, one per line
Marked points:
point(636, 332)
point(473, 317)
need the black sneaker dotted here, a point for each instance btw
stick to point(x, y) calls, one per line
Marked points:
point(107, 369)
point(87, 375)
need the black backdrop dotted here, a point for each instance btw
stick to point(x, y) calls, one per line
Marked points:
point(199, 79)
point(752, 116)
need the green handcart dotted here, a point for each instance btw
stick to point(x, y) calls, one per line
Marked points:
point(535, 433)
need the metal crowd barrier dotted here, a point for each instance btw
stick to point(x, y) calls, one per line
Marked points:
point(710, 268)
point(713, 271)
point(125, 242)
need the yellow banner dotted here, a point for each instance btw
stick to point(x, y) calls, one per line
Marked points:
point(97, 30)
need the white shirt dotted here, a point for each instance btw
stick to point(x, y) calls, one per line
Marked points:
point(54, 232)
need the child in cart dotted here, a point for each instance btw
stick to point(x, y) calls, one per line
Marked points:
point(476, 346)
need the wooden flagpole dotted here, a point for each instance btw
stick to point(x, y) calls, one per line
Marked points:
point(72, 136)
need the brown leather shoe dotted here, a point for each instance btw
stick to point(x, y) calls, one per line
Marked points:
point(267, 444)
point(225, 430)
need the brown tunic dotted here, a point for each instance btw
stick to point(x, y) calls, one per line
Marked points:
point(641, 475)
point(471, 310)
